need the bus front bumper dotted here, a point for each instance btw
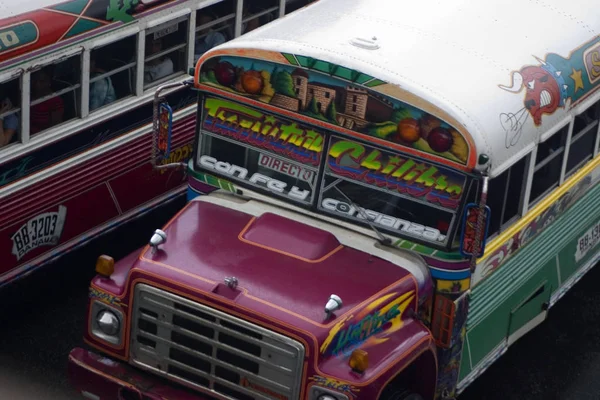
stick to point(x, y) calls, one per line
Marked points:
point(99, 378)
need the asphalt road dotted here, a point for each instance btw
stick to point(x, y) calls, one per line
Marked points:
point(42, 319)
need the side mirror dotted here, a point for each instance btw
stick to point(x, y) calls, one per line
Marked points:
point(469, 225)
point(165, 127)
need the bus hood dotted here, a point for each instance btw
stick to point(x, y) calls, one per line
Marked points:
point(285, 270)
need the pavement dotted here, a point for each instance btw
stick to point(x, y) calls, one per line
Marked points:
point(42, 319)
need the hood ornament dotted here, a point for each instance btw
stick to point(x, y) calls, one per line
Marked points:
point(231, 282)
point(159, 237)
point(334, 303)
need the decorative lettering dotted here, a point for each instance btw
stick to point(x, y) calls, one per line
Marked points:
point(264, 131)
point(257, 179)
point(371, 326)
point(383, 220)
point(17, 172)
point(417, 180)
point(592, 63)
point(119, 10)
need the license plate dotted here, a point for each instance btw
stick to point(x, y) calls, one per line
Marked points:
point(587, 241)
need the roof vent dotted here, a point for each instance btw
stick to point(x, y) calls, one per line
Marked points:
point(365, 43)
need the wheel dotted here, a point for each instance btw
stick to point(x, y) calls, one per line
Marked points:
point(392, 393)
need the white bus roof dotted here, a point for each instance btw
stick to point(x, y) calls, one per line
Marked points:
point(456, 55)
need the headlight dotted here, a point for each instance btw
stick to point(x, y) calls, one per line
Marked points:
point(108, 323)
point(321, 393)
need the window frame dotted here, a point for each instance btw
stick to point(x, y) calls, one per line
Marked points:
point(525, 185)
point(139, 94)
point(73, 52)
point(453, 232)
point(574, 137)
point(535, 167)
point(184, 15)
point(96, 46)
point(19, 75)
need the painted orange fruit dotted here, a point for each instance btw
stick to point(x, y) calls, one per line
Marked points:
point(409, 130)
point(252, 82)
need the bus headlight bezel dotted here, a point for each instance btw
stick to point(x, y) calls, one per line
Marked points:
point(100, 330)
point(321, 393)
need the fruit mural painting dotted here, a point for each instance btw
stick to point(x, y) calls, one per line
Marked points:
point(338, 99)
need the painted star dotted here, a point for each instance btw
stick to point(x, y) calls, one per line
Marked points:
point(576, 76)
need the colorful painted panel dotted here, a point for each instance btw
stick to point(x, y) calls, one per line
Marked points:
point(335, 95)
point(410, 178)
point(369, 327)
point(262, 130)
point(46, 26)
point(542, 221)
point(556, 82)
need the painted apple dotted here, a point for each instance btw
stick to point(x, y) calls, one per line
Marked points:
point(440, 139)
point(408, 130)
point(252, 82)
point(225, 73)
point(428, 123)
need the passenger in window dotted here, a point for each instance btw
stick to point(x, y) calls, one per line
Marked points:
point(252, 24)
point(9, 124)
point(158, 67)
point(207, 38)
point(102, 91)
point(49, 112)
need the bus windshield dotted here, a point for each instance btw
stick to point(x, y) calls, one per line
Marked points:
point(402, 196)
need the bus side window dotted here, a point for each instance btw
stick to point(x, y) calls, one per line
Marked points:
point(112, 72)
point(548, 165)
point(214, 26)
point(258, 13)
point(504, 196)
point(55, 94)
point(166, 49)
point(583, 138)
point(10, 112)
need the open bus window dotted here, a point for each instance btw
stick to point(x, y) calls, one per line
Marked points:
point(385, 210)
point(10, 112)
point(166, 52)
point(112, 72)
point(505, 192)
point(548, 165)
point(259, 169)
point(258, 13)
point(583, 138)
point(214, 25)
point(55, 94)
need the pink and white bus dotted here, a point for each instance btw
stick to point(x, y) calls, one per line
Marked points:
point(77, 80)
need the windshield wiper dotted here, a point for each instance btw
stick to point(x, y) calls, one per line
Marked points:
point(382, 239)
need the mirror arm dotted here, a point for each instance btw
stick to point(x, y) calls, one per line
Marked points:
point(480, 222)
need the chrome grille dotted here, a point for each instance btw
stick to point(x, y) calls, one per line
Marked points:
point(201, 347)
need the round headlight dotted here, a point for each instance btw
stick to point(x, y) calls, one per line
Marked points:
point(108, 322)
point(326, 397)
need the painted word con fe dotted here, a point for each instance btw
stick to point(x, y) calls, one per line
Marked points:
point(257, 179)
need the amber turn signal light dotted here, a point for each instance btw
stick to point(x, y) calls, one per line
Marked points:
point(105, 266)
point(359, 361)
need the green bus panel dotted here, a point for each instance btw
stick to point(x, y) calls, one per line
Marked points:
point(523, 286)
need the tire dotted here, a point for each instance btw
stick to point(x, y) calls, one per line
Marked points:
point(399, 394)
